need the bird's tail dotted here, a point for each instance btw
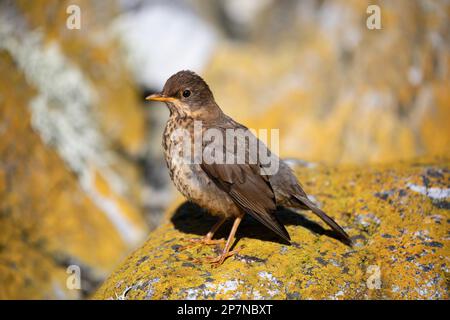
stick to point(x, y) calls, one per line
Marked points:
point(305, 202)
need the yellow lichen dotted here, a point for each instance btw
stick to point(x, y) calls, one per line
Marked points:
point(394, 228)
point(48, 220)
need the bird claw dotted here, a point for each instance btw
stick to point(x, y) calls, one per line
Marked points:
point(206, 241)
point(218, 260)
point(201, 241)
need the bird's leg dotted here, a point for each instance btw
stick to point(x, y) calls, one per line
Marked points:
point(208, 239)
point(217, 261)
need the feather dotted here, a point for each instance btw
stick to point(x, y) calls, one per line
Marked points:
point(249, 190)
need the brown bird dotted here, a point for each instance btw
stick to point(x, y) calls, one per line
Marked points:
point(227, 190)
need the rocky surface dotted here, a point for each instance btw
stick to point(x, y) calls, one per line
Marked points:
point(397, 216)
point(339, 92)
point(81, 166)
point(66, 182)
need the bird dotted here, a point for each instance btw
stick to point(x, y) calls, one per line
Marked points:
point(226, 189)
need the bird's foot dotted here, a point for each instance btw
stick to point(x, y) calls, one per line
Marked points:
point(201, 241)
point(218, 260)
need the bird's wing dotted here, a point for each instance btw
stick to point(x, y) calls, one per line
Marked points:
point(249, 190)
point(245, 183)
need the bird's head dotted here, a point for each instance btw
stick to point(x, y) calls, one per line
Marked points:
point(187, 94)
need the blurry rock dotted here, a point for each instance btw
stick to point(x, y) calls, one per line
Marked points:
point(239, 18)
point(161, 39)
point(400, 245)
point(339, 92)
point(70, 127)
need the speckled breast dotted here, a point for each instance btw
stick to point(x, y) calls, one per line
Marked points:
point(190, 179)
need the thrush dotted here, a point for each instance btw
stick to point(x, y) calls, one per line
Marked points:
point(227, 190)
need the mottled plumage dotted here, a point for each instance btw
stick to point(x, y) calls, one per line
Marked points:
point(226, 190)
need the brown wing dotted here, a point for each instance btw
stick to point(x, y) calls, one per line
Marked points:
point(250, 191)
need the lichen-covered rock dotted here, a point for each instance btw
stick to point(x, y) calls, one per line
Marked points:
point(64, 189)
point(397, 216)
point(338, 91)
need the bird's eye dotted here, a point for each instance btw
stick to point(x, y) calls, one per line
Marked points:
point(186, 93)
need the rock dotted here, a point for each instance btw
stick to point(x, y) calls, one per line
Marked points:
point(64, 188)
point(140, 31)
point(400, 251)
point(338, 91)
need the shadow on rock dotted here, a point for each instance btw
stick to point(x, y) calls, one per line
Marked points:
point(192, 219)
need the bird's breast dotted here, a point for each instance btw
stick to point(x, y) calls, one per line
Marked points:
point(190, 179)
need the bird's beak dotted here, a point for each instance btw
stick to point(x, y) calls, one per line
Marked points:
point(159, 97)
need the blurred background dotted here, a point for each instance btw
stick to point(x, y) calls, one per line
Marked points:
point(82, 178)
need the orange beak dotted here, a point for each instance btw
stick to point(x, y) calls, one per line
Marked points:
point(159, 97)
